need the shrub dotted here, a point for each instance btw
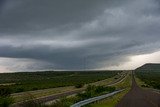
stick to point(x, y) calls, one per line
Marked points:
point(79, 85)
point(28, 101)
point(5, 91)
point(19, 90)
point(92, 91)
point(5, 99)
point(61, 103)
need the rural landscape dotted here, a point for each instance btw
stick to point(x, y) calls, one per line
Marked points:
point(79, 53)
point(82, 88)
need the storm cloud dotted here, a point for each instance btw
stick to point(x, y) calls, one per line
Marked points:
point(76, 34)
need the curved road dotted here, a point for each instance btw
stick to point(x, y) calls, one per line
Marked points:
point(138, 97)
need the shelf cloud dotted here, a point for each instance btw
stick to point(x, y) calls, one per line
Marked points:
point(76, 34)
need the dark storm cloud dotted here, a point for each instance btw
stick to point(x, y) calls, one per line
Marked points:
point(30, 15)
point(75, 34)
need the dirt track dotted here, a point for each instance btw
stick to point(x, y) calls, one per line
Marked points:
point(138, 97)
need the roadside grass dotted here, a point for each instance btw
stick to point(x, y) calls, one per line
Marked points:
point(140, 82)
point(112, 101)
point(125, 83)
point(18, 97)
point(146, 86)
point(150, 78)
point(90, 91)
point(109, 102)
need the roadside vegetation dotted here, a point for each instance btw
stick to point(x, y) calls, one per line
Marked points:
point(29, 81)
point(91, 91)
point(150, 78)
point(18, 97)
point(5, 98)
point(113, 100)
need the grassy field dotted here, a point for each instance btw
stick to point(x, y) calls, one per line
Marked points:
point(51, 91)
point(149, 76)
point(28, 81)
point(112, 101)
point(150, 79)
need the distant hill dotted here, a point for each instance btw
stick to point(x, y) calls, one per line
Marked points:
point(149, 67)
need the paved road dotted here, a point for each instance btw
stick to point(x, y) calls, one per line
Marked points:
point(138, 97)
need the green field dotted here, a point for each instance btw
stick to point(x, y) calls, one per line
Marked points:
point(150, 75)
point(28, 81)
point(151, 79)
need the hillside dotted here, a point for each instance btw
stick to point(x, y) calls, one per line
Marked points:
point(149, 67)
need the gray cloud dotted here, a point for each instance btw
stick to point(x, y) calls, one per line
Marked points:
point(76, 33)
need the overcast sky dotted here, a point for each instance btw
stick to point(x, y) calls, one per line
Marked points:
point(78, 34)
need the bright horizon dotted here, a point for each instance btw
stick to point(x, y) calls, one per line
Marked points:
point(135, 62)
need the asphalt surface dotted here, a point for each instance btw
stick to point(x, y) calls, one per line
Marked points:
point(138, 97)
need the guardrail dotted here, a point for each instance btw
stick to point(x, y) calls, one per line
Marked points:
point(90, 100)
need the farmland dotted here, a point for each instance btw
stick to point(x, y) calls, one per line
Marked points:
point(28, 81)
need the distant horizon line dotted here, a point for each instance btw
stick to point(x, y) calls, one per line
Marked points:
point(56, 70)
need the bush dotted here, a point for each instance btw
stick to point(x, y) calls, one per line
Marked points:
point(61, 103)
point(92, 91)
point(110, 89)
point(19, 90)
point(5, 99)
point(28, 101)
point(79, 85)
point(5, 91)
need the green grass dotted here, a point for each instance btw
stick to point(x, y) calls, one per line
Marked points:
point(52, 91)
point(29, 81)
point(150, 79)
point(91, 91)
point(109, 102)
point(112, 101)
point(140, 82)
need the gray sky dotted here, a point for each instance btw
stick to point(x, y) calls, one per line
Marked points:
point(77, 34)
